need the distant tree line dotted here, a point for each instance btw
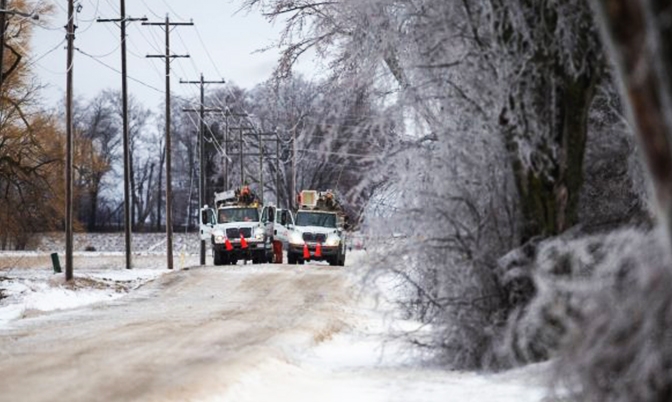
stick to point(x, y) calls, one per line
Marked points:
point(300, 114)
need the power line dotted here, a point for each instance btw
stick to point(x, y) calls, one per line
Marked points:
point(119, 71)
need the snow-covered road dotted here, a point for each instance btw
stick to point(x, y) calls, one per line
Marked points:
point(241, 333)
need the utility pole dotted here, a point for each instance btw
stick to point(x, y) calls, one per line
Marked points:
point(226, 150)
point(242, 165)
point(277, 168)
point(227, 114)
point(261, 154)
point(261, 168)
point(169, 203)
point(3, 22)
point(68, 144)
point(128, 221)
point(201, 148)
point(293, 195)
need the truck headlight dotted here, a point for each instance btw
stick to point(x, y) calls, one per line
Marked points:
point(296, 238)
point(332, 241)
point(219, 237)
point(259, 234)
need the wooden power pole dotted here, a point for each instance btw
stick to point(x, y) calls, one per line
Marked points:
point(201, 148)
point(68, 143)
point(128, 221)
point(3, 22)
point(169, 203)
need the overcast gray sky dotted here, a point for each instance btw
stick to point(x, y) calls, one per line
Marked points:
point(222, 44)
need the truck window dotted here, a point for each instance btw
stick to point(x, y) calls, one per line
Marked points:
point(206, 216)
point(315, 219)
point(228, 215)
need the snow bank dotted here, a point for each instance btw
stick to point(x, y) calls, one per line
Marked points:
point(363, 364)
point(28, 286)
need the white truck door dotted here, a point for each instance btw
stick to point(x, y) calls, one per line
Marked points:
point(283, 225)
point(208, 221)
point(269, 222)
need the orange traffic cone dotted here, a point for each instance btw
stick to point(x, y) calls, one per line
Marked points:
point(306, 252)
point(243, 242)
point(228, 245)
point(318, 250)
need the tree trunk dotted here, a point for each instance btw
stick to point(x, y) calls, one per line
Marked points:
point(93, 205)
point(639, 34)
point(549, 196)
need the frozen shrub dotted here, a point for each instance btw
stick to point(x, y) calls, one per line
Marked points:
point(568, 273)
point(620, 347)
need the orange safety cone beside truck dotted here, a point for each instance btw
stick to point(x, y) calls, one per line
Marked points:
point(306, 252)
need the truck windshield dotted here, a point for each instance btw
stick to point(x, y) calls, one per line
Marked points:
point(315, 219)
point(238, 215)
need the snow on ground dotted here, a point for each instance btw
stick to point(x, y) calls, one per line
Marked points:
point(362, 363)
point(29, 286)
point(359, 363)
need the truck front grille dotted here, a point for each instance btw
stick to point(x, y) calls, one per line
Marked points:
point(314, 237)
point(234, 233)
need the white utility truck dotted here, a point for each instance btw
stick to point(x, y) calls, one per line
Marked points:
point(235, 229)
point(319, 229)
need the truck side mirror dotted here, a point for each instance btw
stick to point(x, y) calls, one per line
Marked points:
point(204, 217)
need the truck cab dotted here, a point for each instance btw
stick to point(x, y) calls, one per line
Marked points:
point(318, 232)
point(235, 229)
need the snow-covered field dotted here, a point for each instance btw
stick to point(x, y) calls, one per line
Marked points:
point(359, 362)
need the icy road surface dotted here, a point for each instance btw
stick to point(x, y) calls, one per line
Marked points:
point(239, 333)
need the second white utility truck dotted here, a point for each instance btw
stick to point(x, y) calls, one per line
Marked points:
point(319, 230)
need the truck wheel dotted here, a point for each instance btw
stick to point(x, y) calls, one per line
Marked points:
point(259, 258)
point(233, 261)
point(217, 257)
point(291, 258)
point(333, 260)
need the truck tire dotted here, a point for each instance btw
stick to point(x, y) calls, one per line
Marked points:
point(291, 258)
point(259, 257)
point(217, 257)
